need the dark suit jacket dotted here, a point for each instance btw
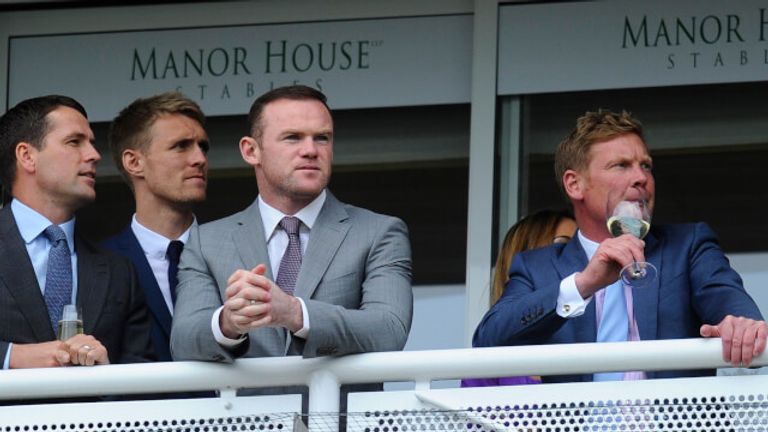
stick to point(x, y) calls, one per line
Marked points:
point(696, 286)
point(113, 306)
point(127, 245)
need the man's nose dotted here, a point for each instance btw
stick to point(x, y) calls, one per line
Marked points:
point(91, 154)
point(640, 175)
point(198, 157)
point(309, 147)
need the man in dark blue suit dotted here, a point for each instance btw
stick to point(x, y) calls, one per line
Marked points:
point(48, 167)
point(560, 294)
point(160, 147)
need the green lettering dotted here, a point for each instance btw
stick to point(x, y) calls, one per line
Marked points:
point(240, 54)
point(362, 54)
point(170, 65)
point(642, 32)
point(333, 57)
point(143, 70)
point(347, 57)
point(189, 61)
point(310, 57)
point(280, 55)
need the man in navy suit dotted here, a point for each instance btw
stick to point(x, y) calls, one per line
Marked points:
point(48, 166)
point(160, 147)
point(559, 294)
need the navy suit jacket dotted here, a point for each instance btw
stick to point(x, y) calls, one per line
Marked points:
point(696, 285)
point(127, 245)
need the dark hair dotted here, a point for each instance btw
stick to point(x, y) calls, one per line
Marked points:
point(592, 128)
point(295, 92)
point(27, 122)
point(130, 129)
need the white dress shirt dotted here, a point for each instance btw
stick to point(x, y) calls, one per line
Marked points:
point(277, 243)
point(155, 248)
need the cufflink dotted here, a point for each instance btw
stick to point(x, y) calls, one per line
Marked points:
point(566, 308)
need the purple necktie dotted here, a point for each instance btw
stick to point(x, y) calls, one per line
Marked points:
point(58, 277)
point(291, 262)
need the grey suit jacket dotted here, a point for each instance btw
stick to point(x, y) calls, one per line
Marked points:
point(355, 280)
point(113, 305)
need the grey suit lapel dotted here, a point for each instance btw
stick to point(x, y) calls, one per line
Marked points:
point(92, 283)
point(326, 236)
point(18, 276)
point(251, 244)
point(249, 239)
point(573, 259)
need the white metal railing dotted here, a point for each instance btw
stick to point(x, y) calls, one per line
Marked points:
point(325, 375)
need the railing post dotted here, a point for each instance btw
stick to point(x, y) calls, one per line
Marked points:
point(324, 396)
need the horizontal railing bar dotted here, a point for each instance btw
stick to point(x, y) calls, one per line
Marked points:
point(379, 367)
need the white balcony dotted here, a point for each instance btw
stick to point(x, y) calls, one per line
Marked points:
point(738, 403)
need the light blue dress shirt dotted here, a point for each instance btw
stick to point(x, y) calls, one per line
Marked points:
point(31, 225)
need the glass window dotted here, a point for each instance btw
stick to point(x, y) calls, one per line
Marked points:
point(709, 145)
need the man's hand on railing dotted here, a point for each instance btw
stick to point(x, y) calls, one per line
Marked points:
point(743, 338)
point(82, 349)
point(78, 350)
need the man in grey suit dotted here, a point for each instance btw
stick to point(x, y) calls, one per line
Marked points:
point(297, 272)
point(48, 164)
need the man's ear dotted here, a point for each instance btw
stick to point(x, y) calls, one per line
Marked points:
point(573, 184)
point(133, 162)
point(26, 157)
point(250, 150)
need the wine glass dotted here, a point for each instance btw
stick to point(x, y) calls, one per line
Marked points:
point(633, 217)
point(71, 322)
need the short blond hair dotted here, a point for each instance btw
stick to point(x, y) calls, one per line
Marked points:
point(131, 128)
point(592, 128)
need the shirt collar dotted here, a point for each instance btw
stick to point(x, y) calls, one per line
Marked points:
point(589, 246)
point(31, 224)
point(271, 216)
point(154, 244)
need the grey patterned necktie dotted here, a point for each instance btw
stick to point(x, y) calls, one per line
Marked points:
point(58, 277)
point(291, 262)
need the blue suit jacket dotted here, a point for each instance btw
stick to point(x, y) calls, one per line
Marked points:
point(128, 246)
point(696, 286)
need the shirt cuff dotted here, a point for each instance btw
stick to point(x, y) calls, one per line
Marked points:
point(304, 331)
point(7, 361)
point(569, 301)
point(219, 336)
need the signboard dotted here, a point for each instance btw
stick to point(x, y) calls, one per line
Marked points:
point(358, 64)
point(621, 44)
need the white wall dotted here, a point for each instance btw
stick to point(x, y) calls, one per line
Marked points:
point(753, 268)
point(438, 318)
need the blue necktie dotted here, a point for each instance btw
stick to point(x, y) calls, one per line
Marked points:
point(173, 253)
point(291, 262)
point(614, 326)
point(58, 277)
